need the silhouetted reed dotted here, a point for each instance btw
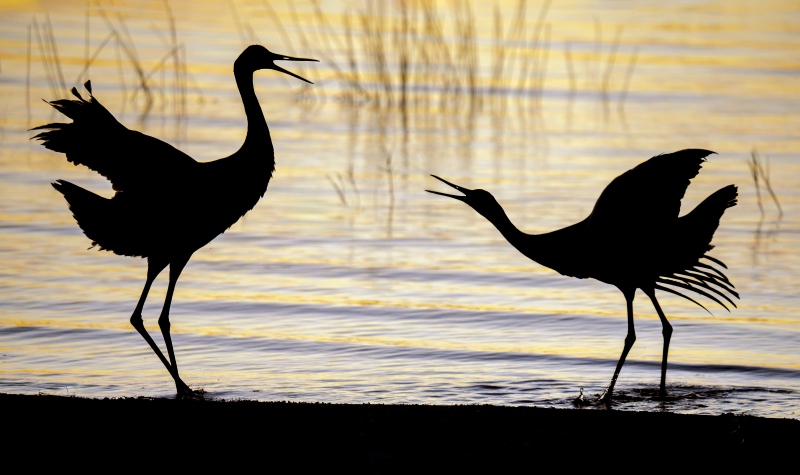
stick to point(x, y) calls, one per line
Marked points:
point(240, 29)
point(46, 56)
point(28, 76)
point(623, 95)
point(388, 168)
point(425, 55)
point(760, 174)
point(612, 56)
point(347, 192)
point(126, 59)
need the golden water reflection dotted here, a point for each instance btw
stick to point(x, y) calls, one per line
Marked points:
point(348, 282)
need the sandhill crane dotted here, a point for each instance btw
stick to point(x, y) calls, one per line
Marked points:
point(166, 205)
point(632, 239)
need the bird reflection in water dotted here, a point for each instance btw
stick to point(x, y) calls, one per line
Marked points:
point(633, 239)
point(167, 205)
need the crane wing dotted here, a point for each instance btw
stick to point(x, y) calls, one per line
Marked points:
point(129, 159)
point(635, 226)
point(647, 198)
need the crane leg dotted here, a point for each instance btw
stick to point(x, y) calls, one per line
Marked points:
point(666, 331)
point(175, 269)
point(153, 269)
point(630, 339)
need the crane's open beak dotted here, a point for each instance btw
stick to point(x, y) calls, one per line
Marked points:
point(459, 188)
point(281, 57)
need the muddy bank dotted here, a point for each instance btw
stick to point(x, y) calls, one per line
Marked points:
point(391, 438)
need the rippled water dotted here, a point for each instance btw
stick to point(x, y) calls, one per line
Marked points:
point(381, 292)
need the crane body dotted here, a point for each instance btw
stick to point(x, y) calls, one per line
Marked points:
point(633, 239)
point(166, 205)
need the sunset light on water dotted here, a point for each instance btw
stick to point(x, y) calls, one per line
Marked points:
point(347, 282)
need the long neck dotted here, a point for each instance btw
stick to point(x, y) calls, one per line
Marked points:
point(527, 244)
point(257, 130)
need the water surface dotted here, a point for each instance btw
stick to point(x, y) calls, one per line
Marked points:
point(371, 290)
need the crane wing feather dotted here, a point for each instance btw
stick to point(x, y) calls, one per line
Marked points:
point(647, 197)
point(130, 160)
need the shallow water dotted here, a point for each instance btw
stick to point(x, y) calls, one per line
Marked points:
point(381, 292)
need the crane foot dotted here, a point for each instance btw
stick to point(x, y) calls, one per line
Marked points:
point(184, 392)
point(605, 398)
point(580, 401)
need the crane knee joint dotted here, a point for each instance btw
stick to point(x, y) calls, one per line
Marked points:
point(136, 320)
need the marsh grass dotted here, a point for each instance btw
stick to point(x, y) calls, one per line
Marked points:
point(126, 58)
point(760, 173)
point(430, 55)
point(427, 55)
point(623, 94)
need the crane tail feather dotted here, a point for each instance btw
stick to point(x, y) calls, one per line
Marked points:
point(710, 279)
point(693, 289)
point(715, 260)
point(696, 281)
point(716, 271)
point(709, 276)
point(666, 289)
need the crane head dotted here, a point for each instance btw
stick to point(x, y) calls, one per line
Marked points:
point(257, 57)
point(480, 200)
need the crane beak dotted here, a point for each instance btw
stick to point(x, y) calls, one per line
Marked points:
point(281, 57)
point(459, 188)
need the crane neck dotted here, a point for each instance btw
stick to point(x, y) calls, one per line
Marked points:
point(517, 238)
point(257, 129)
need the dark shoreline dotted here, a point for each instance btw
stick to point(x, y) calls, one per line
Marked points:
point(375, 438)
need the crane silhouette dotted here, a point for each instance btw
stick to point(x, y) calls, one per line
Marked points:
point(633, 239)
point(166, 205)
